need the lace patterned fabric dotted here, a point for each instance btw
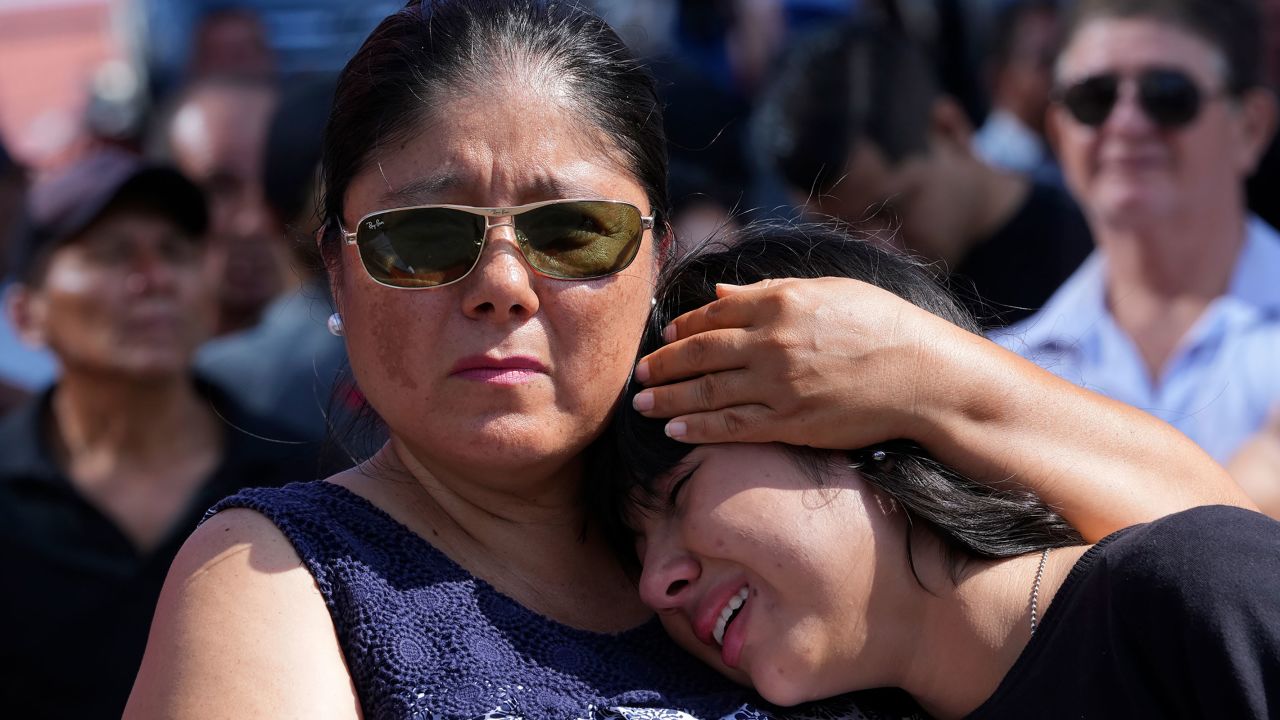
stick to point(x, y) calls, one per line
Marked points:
point(425, 639)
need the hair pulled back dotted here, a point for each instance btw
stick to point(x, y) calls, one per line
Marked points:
point(416, 59)
point(971, 518)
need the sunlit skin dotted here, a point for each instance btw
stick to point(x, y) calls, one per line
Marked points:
point(488, 472)
point(832, 603)
point(128, 297)
point(748, 516)
point(508, 146)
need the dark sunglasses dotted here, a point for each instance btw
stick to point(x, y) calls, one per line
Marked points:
point(1170, 98)
point(431, 246)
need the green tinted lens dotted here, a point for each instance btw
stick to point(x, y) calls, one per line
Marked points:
point(420, 247)
point(582, 239)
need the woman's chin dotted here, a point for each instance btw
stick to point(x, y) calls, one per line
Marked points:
point(496, 441)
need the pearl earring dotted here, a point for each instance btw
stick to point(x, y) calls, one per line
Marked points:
point(653, 302)
point(335, 325)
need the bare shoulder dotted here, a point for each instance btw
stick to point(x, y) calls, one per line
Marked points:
point(241, 631)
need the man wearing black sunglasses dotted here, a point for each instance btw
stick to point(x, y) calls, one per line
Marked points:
point(1158, 118)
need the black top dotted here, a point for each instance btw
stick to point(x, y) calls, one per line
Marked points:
point(1179, 618)
point(1012, 274)
point(78, 596)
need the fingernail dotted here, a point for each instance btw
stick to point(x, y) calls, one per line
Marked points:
point(669, 334)
point(643, 401)
point(676, 429)
point(642, 372)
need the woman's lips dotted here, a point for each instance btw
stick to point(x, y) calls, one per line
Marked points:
point(735, 636)
point(708, 612)
point(499, 371)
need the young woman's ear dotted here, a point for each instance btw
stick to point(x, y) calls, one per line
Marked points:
point(27, 310)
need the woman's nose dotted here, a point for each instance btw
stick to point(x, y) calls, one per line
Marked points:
point(667, 578)
point(500, 287)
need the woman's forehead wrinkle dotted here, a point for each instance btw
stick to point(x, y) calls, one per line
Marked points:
point(420, 191)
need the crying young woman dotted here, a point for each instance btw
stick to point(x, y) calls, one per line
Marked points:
point(826, 565)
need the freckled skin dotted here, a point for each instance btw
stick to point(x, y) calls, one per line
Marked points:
point(390, 340)
point(508, 146)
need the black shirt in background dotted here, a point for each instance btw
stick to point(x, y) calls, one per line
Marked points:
point(77, 596)
point(1179, 618)
point(1013, 273)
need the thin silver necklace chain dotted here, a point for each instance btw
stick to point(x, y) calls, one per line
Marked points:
point(1035, 591)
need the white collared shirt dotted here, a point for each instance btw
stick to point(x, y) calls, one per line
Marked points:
point(1004, 142)
point(1221, 381)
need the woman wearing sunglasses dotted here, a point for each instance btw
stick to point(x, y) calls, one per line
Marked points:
point(812, 573)
point(1159, 118)
point(495, 221)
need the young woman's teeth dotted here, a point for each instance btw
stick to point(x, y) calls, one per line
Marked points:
point(734, 605)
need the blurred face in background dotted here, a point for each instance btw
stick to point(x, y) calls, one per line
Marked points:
point(1128, 171)
point(128, 296)
point(922, 201)
point(218, 138)
point(1023, 84)
point(232, 42)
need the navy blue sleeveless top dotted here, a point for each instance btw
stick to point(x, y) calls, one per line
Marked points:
point(423, 638)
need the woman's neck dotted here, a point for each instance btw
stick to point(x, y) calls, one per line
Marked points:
point(524, 531)
point(973, 631)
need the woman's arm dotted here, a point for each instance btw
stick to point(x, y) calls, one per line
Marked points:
point(241, 631)
point(837, 363)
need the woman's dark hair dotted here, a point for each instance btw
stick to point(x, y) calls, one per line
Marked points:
point(403, 76)
point(973, 519)
point(401, 79)
point(1232, 27)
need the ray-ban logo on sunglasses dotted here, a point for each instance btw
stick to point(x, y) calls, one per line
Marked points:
point(375, 224)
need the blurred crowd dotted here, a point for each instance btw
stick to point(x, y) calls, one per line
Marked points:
point(165, 336)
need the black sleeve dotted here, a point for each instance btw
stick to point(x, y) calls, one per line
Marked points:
point(1197, 605)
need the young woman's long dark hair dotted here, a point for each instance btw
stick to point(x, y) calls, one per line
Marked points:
point(973, 519)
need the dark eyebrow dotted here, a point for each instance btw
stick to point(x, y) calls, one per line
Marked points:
point(424, 191)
